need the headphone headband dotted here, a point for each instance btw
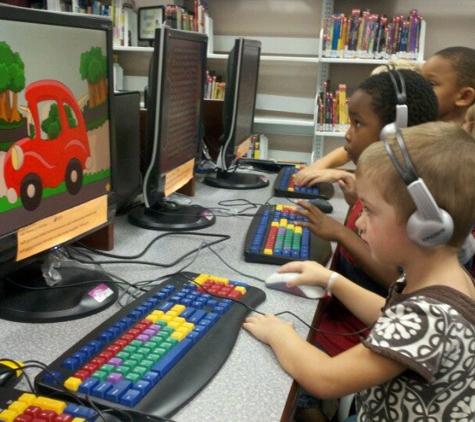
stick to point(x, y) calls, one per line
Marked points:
point(400, 94)
point(401, 120)
point(408, 172)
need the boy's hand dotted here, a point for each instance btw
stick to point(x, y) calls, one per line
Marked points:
point(265, 327)
point(311, 273)
point(320, 224)
point(310, 177)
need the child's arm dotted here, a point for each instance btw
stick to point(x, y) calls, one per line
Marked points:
point(325, 377)
point(313, 173)
point(362, 303)
point(328, 228)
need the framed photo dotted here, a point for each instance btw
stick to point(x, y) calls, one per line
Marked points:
point(150, 18)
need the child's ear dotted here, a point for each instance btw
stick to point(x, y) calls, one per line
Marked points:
point(467, 96)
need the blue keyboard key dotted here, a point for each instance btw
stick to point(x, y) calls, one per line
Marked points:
point(131, 398)
point(172, 357)
point(115, 393)
point(79, 411)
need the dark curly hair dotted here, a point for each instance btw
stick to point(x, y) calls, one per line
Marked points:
point(422, 103)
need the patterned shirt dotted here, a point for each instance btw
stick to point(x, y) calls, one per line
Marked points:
point(432, 332)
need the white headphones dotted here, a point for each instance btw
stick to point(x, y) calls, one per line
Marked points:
point(401, 106)
point(429, 225)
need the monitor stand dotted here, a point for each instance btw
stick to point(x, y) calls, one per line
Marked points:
point(168, 216)
point(25, 296)
point(236, 180)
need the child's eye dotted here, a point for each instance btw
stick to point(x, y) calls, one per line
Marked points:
point(366, 210)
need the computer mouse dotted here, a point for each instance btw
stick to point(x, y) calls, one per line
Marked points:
point(322, 204)
point(278, 281)
point(10, 373)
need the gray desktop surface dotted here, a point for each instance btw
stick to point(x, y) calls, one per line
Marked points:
point(251, 385)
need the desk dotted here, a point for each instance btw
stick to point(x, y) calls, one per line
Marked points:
point(251, 386)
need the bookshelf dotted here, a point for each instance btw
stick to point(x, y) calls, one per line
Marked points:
point(326, 60)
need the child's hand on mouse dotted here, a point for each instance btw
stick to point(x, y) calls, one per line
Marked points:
point(311, 273)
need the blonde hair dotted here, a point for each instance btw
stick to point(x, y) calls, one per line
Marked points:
point(443, 155)
point(398, 64)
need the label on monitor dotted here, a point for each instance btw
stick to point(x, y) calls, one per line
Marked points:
point(60, 228)
point(179, 177)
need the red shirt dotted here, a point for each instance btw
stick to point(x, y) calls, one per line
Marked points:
point(336, 318)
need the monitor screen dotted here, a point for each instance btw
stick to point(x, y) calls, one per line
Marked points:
point(238, 117)
point(55, 142)
point(173, 132)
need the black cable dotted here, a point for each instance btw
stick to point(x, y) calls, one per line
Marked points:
point(234, 269)
point(130, 259)
point(141, 286)
point(149, 284)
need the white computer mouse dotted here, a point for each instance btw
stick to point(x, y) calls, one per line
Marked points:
point(278, 281)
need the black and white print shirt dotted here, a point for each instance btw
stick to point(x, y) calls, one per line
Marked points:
point(432, 332)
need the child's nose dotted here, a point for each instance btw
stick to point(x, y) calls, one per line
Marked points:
point(359, 223)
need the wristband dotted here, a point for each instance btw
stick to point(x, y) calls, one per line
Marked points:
point(330, 283)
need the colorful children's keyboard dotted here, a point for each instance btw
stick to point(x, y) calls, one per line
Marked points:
point(284, 186)
point(272, 238)
point(159, 351)
point(20, 406)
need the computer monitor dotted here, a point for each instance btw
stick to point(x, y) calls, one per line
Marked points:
point(238, 118)
point(173, 131)
point(55, 173)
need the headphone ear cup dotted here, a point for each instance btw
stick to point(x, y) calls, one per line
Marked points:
point(389, 129)
point(428, 232)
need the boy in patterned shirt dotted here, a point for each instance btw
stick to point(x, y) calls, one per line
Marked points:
point(417, 363)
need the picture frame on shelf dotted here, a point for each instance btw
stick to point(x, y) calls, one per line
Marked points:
point(150, 18)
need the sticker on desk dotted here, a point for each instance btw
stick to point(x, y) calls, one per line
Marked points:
point(100, 293)
point(61, 227)
point(179, 177)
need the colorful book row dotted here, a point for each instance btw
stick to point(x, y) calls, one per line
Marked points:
point(372, 36)
point(180, 18)
point(332, 113)
point(214, 87)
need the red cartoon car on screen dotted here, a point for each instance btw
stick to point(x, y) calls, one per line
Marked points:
point(56, 151)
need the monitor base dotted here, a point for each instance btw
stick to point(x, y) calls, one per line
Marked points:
point(25, 296)
point(236, 180)
point(178, 218)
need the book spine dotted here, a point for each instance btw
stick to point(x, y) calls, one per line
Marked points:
point(355, 16)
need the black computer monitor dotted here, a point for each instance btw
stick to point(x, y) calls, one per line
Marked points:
point(238, 117)
point(56, 134)
point(173, 130)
